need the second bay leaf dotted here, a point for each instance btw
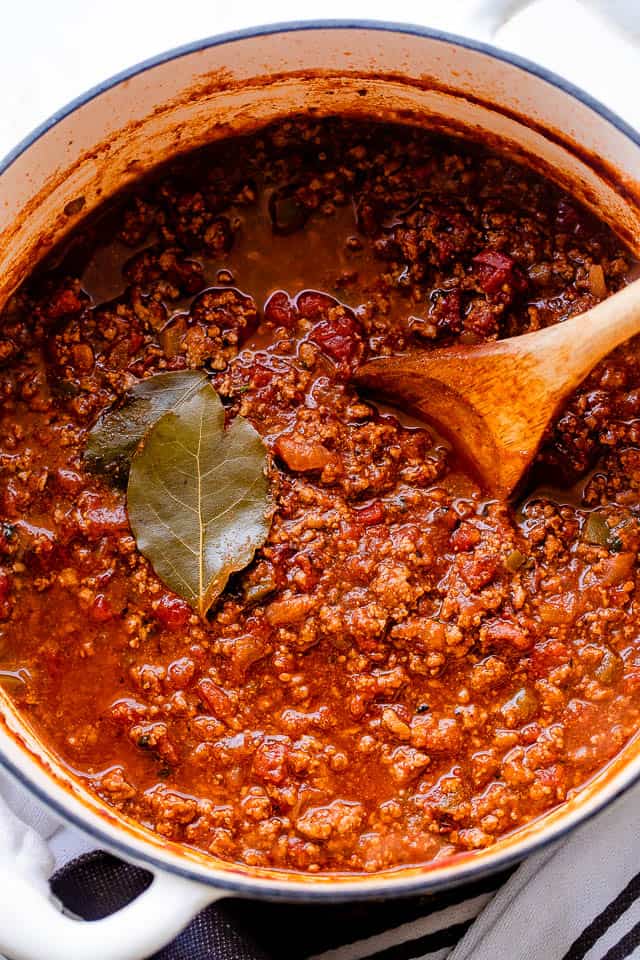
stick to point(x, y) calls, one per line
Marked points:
point(113, 439)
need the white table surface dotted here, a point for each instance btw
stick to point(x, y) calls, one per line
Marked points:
point(53, 50)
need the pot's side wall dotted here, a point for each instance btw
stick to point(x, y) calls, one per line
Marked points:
point(213, 92)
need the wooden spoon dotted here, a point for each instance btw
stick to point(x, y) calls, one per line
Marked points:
point(496, 400)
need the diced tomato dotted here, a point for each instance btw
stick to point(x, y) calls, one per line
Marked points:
point(279, 310)
point(101, 518)
point(269, 761)
point(494, 270)
point(530, 732)
point(339, 338)
point(464, 538)
point(68, 480)
point(502, 630)
point(262, 376)
point(477, 572)
point(631, 683)
point(172, 612)
point(371, 514)
point(446, 311)
point(180, 673)
point(215, 697)
point(62, 303)
point(101, 610)
point(547, 655)
point(5, 585)
point(105, 577)
point(135, 342)
point(312, 305)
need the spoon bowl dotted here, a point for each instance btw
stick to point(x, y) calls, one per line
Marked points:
point(495, 401)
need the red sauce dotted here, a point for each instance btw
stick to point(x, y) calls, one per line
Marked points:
point(405, 670)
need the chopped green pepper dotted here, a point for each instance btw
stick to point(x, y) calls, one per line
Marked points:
point(521, 707)
point(515, 560)
point(609, 668)
point(596, 530)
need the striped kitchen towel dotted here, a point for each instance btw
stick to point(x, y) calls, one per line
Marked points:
point(578, 900)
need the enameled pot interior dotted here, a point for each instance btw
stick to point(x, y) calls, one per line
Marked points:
point(222, 88)
point(235, 84)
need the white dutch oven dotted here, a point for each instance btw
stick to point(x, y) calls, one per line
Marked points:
point(124, 128)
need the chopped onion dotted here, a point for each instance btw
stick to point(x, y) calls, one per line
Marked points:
point(597, 283)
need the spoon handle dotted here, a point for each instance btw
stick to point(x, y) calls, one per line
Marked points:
point(566, 352)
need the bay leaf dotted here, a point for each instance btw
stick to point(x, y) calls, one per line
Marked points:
point(198, 498)
point(115, 436)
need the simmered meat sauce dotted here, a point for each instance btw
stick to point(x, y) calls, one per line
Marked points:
point(406, 669)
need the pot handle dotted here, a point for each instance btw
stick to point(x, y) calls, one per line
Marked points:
point(485, 17)
point(32, 925)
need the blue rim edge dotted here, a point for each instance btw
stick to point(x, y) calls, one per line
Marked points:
point(390, 886)
point(294, 26)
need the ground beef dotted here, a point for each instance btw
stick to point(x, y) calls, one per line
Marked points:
point(406, 670)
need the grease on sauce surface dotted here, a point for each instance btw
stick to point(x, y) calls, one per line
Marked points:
point(406, 670)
